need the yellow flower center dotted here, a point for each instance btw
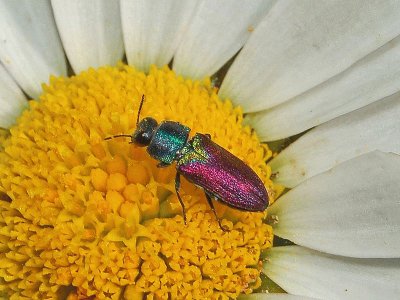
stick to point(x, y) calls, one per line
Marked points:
point(81, 217)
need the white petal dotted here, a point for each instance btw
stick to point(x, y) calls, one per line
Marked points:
point(153, 29)
point(218, 30)
point(268, 296)
point(12, 100)
point(351, 210)
point(30, 48)
point(371, 79)
point(301, 271)
point(301, 44)
point(90, 31)
point(375, 127)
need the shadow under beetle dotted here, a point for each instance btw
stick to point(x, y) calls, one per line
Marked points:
point(222, 175)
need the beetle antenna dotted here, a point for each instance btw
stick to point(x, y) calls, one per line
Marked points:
point(140, 109)
point(117, 136)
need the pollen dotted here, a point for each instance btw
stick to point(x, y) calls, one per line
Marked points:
point(85, 218)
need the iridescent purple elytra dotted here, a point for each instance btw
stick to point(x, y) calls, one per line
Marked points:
point(222, 175)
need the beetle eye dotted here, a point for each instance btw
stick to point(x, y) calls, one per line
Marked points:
point(141, 139)
point(144, 132)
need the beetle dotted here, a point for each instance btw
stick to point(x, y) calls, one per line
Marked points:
point(222, 175)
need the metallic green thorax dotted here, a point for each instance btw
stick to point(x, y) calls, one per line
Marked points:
point(168, 139)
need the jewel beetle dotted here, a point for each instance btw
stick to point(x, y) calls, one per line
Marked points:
point(222, 175)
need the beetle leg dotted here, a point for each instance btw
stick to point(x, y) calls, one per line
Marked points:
point(162, 165)
point(177, 187)
point(208, 196)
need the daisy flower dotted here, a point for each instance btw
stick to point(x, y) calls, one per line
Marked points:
point(304, 92)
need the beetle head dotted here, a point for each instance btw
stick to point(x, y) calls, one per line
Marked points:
point(144, 129)
point(144, 132)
